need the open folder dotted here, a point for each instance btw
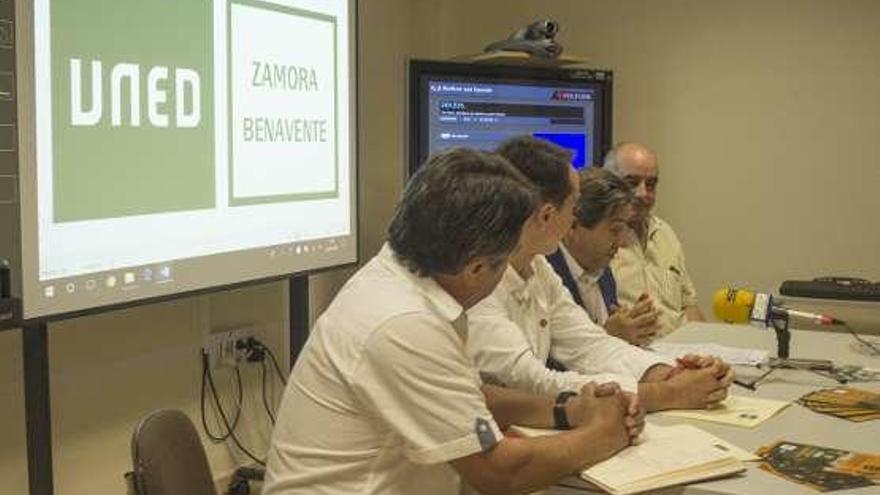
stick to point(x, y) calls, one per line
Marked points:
point(666, 456)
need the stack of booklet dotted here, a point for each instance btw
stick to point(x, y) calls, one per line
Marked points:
point(821, 468)
point(666, 456)
point(843, 402)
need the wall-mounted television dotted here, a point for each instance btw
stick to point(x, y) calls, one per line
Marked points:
point(479, 105)
point(168, 147)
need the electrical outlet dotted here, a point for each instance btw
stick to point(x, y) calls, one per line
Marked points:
point(221, 349)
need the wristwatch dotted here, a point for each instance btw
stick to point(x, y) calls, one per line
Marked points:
point(560, 419)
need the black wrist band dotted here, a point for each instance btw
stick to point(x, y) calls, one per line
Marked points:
point(560, 418)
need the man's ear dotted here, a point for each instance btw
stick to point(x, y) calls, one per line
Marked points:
point(477, 266)
point(546, 211)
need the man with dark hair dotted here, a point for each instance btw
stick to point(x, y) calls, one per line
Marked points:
point(385, 400)
point(531, 317)
point(600, 228)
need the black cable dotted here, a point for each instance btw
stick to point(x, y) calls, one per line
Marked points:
point(266, 399)
point(239, 401)
point(225, 420)
point(275, 363)
point(207, 379)
point(211, 436)
point(257, 351)
point(830, 375)
point(252, 344)
point(873, 346)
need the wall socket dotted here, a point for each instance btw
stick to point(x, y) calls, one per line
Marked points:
point(220, 347)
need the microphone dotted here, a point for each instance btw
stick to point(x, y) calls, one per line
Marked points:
point(733, 305)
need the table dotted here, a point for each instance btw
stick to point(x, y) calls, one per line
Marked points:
point(795, 423)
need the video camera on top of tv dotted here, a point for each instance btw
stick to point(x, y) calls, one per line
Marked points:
point(537, 39)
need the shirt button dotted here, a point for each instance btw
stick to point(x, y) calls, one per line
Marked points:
point(543, 322)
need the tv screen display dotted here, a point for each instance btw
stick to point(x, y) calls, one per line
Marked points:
point(480, 105)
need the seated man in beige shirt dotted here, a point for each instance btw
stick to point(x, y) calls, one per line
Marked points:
point(654, 264)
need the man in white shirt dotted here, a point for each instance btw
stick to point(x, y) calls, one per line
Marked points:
point(655, 263)
point(600, 229)
point(531, 316)
point(384, 398)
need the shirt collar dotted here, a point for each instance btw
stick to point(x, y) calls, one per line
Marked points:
point(577, 271)
point(513, 283)
point(445, 304)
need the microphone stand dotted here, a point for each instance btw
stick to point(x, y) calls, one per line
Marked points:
point(779, 321)
point(783, 335)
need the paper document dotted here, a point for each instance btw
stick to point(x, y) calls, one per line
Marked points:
point(746, 412)
point(732, 355)
point(666, 456)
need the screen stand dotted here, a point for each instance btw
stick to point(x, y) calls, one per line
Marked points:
point(35, 344)
point(299, 315)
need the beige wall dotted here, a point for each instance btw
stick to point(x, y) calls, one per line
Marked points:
point(388, 36)
point(763, 113)
point(107, 371)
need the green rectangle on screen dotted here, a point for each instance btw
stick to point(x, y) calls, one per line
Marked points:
point(136, 152)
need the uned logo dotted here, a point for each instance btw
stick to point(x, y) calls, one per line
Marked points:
point(186, 87)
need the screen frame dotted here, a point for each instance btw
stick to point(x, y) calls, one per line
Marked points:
point(419, 70)
point(25, 237)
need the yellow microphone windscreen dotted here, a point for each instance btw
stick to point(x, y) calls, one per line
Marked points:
point(733, 305)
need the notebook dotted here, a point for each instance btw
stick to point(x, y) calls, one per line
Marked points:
point(666, 456)
point(736, 410)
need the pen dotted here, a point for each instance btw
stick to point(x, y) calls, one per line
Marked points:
point(746, 385)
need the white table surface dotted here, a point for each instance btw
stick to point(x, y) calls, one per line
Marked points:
point(795, 423)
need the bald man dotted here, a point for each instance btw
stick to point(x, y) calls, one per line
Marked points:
point(654, 265)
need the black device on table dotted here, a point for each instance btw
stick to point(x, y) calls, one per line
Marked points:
point(840, 288)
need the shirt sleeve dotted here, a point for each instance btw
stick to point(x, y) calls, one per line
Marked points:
point(415, 375)
point(583, 346)
point(504, 356)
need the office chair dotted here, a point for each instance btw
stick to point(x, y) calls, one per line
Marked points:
point(168, 457)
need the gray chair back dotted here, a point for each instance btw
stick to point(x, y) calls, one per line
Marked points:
point(168, 457)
